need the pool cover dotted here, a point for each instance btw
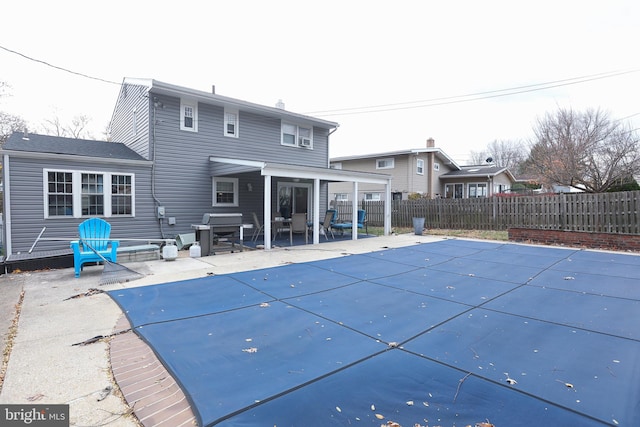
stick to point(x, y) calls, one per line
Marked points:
point(451, 333)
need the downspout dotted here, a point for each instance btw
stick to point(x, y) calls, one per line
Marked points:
point(430, 174)
point(153, 166)
point(330, 133)
point(6, 224)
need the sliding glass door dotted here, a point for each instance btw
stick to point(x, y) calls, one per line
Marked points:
point(294, 197)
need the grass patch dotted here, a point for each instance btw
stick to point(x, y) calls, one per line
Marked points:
point(501, 235)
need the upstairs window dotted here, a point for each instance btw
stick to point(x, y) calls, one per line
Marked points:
point(231, 123)
point(420, 167)
point(188, 116)
point(436, 166)
point(385, 163)
point(297, 136)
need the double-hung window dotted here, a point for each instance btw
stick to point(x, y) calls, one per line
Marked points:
point(59, 200)
point(92, 194)
point(420, 167)
point(121, 194)
point(231, 123)
point(84, 193)
point(225, 191)
point(297, 136)
point(189, 115)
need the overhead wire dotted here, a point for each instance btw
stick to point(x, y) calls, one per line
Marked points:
point(476, 96)
point(57, 67)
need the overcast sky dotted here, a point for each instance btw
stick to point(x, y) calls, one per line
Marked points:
point(392, 74)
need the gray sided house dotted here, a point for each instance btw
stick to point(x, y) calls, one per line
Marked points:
point(428, 172)
point(180, 153)
point(56, 183)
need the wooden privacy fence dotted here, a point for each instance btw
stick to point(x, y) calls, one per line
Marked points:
point(601, 212)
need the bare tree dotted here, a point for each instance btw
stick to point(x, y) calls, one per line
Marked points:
point(76, 129)
point(9, 123)
point(505, 153)
point(584, 150)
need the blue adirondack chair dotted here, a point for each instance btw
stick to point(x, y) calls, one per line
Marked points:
point(362, 223)
point(94, 233)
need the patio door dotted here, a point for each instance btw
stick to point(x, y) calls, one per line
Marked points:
point(294, 197)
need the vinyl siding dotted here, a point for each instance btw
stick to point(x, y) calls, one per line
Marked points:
point(27, 205)
point(183, 172)
point(405, 179)
point(132, 98)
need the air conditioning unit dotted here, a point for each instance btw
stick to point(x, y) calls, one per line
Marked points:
point(305, 142)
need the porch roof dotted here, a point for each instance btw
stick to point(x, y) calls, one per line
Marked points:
point(228, 166)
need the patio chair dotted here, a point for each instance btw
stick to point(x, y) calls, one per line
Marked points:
point(279, 224)
point(94, 237)
point(327, 225)
point(258, 228)
point(299, 225)
point(362, 223)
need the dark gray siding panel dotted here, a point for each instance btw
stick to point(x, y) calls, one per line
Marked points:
point(259, 136)
point(132, 98)
point(183, 173)
point(27, 205)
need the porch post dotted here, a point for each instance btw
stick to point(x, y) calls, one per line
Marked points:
point(387, 208)
point(354, 213)
point(316, 211)
point(267, 212)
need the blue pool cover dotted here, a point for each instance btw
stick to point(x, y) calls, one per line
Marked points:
point(451, 333)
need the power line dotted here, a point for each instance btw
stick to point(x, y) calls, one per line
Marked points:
point(469, 97)
point(59, 68)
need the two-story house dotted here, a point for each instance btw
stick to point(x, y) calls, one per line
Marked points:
point(178, 153)
point(427, 172)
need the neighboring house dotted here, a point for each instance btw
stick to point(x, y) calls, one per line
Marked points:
point(428, 172)
point(180, 153)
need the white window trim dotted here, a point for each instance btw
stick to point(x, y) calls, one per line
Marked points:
point(476, 184)
point(297, 137)
point(374, 196)
point(392, 163)
point(341, 197)
point(453, 189)
point(420, 167)
point(226, 122)
point(193, 104)
point(436, 166)
point(236, 190)
point(76, 183)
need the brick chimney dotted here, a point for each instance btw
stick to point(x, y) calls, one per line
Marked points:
point(431, 143)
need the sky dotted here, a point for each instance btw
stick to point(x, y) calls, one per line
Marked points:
point(392, 74)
